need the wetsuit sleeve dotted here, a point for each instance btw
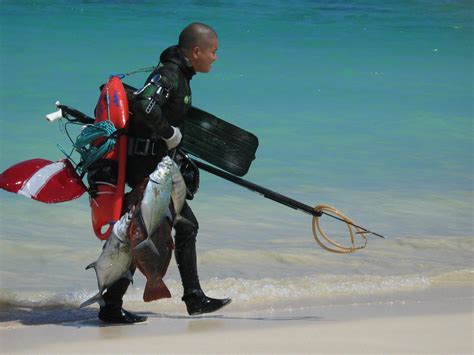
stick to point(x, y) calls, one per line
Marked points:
point(150, 101)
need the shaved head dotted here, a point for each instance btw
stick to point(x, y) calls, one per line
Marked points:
point(196, 35)
point(198, 43)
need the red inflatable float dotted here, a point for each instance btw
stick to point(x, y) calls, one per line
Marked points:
point(106, 207)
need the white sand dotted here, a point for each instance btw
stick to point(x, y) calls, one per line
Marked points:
point(436, 321)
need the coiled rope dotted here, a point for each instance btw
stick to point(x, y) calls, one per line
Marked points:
point(327, 243)
point(89, 152)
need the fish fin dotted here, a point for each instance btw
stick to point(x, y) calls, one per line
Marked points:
point(96, 298)
point(147, 244)
point(91, 265)
point(184, 220)
point(94, 266)
point(168, 216)
point(155, 290)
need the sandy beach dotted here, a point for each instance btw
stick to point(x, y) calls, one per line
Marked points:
point(437, 320)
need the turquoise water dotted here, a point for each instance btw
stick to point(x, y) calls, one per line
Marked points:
point(364, 105)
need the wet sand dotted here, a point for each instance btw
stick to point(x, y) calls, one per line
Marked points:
point(438, 320)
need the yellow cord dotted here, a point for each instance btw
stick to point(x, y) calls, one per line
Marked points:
point(330, 244)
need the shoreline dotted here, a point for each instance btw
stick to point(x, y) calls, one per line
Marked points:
point(435, 320)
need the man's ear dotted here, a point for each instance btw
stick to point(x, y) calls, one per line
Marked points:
point(195, 52)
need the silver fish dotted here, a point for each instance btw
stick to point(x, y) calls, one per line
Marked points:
point(114, 261)
point(150, 231)
point(178, 193)
point(157, 195)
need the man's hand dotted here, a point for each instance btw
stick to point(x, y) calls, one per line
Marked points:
point(174, 140)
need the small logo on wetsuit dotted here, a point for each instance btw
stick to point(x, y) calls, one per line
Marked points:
point(187, 99)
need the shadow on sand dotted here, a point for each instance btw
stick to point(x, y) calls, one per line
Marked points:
point(46, 315)
point(87, 317)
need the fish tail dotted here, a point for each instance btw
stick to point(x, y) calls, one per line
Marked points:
point(155, 291)
point(96, 298)
point(91, 265)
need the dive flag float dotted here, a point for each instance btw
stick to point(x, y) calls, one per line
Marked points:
point(43, 180)
point(206, 137)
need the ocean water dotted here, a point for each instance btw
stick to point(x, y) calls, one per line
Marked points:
point(363, 105)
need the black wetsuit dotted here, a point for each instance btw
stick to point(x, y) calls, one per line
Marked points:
point(176, 72)
point(147, 148)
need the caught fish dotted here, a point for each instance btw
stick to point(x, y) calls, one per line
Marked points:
point(114, 261)
point(150, 231)
point(178, 193)
point(152, 257)
point(156, 196)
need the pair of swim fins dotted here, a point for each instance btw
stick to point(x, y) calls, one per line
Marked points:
point(218, 142)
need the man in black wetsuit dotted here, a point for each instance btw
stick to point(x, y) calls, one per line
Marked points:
point(158, 111)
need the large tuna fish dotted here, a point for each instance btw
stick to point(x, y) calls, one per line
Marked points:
point(114, 261)
point(150, 231)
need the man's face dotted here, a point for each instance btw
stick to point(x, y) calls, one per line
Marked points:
point(204, 57)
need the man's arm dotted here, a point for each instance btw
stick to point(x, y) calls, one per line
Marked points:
point(148, 103)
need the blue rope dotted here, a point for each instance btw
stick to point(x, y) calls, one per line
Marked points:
point(68, 156)
point(90, 153)
point(142, 70)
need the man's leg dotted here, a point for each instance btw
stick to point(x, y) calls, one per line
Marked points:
point(112, 311)
point(185, 240)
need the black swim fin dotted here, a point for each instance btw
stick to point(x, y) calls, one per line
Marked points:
point(218, 142)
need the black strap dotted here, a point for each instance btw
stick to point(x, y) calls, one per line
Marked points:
point(143, 146)
point(119, 132)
